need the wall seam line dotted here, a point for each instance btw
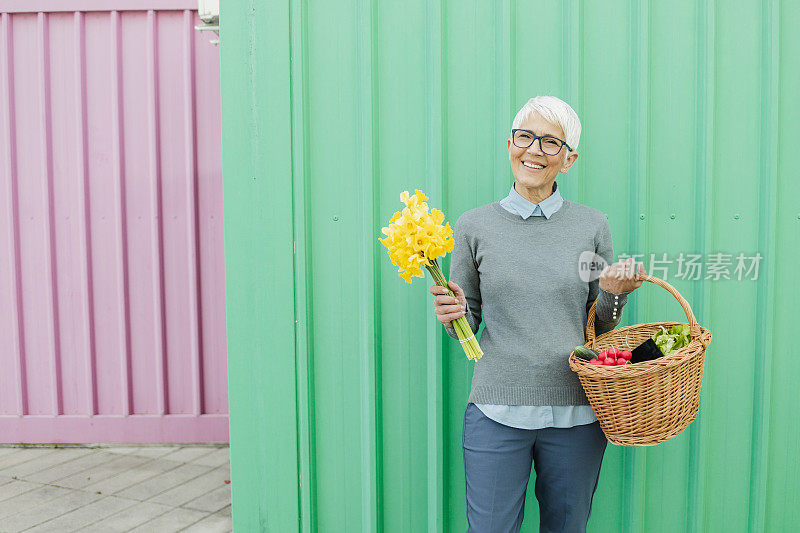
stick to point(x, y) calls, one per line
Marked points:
point(704, 176)
point(13, 191)
point(159, 314)
point(85, 209)
point(118, 154)
point(190, 154)
point(301, 266)
point(51, 261)
point(767, 223)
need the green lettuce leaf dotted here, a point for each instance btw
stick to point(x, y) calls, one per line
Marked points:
point(673, 339)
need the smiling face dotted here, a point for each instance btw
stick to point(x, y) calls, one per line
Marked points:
point(534, 171)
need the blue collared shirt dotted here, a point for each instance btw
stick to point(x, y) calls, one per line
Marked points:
point(523, 207)
point(537, 416)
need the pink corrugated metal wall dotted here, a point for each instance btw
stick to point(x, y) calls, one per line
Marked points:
point(112, 312)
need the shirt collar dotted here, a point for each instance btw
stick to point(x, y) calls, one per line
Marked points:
point(525, 208)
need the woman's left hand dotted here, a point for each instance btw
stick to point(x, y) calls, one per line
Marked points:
point(621, 277)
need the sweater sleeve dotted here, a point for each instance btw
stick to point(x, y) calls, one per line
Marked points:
point(464, 272)
point(604, 311)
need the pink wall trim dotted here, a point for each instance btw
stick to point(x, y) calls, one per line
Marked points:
point(55, 6)
point(107, 429)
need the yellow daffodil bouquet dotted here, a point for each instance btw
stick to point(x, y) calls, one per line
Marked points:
point(416, 237)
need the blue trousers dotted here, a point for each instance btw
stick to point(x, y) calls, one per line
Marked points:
point(497, 465)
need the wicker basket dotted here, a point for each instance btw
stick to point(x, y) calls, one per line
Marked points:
point(650, 402)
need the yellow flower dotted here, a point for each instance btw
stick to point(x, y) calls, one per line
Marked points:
point(415, 236)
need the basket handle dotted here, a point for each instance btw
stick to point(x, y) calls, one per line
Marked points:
point(694, 327)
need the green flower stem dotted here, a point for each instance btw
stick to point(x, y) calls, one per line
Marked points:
point(461, 325)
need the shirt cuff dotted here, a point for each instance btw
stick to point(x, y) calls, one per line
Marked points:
point(609, 299)
point(625, 293)
point(608, 307)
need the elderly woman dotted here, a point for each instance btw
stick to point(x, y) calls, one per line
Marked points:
point(514, 266)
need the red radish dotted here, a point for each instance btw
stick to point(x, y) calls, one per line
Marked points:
point(595, 362)
point(627, 355)
point(602, 355)
point(621, 361)
point(609, 361)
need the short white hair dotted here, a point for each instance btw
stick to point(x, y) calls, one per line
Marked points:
point(555, 111)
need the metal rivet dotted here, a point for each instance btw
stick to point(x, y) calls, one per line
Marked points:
point(736, 216)
point(672, 216)
point(641, 216)
point(335, 219)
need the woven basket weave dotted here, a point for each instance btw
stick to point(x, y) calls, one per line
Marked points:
point(645, 403)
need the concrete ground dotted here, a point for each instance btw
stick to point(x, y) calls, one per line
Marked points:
point(110, 488)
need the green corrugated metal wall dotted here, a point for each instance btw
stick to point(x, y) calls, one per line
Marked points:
point(346, 396)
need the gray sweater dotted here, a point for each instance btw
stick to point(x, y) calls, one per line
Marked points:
point(520, 277)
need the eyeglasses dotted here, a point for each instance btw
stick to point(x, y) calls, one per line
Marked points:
point(550, 145)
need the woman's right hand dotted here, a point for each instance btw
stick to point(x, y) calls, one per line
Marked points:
point(446, 307)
